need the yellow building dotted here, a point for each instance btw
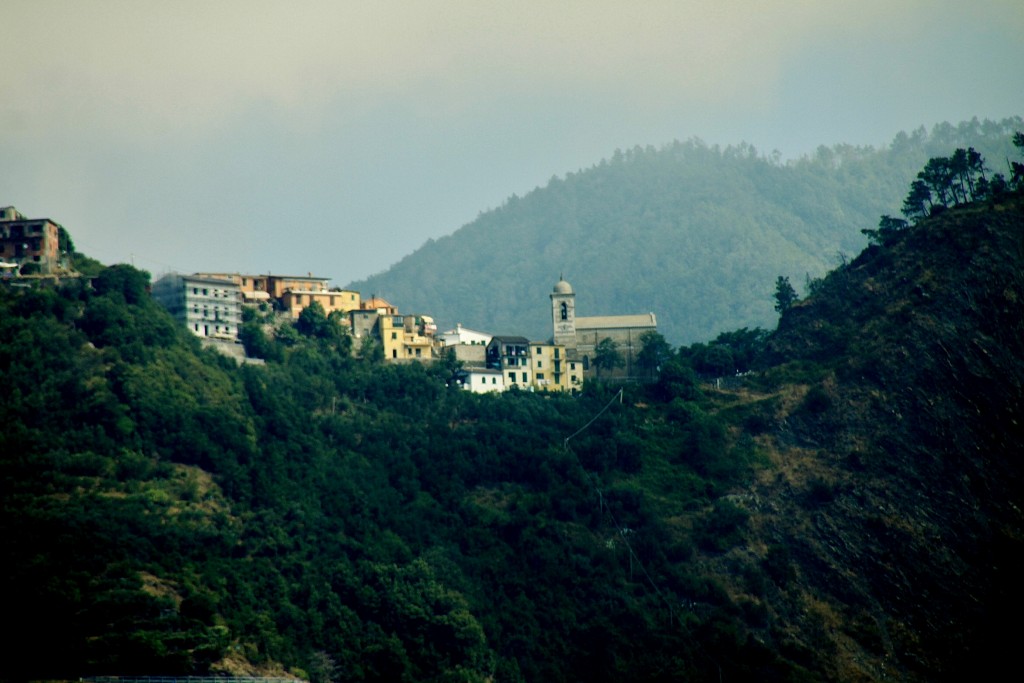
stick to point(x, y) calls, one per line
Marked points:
point(407, 337)
point(277, 285)
point(341, 300)
point(292, 292)
point(553, 370)
point(534, 366)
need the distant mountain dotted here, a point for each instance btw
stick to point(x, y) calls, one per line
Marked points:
point(695, 233)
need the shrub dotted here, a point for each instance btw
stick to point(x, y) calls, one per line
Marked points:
point(722, 528)
point(817, 401)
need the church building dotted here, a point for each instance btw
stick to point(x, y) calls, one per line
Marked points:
point(580, 335)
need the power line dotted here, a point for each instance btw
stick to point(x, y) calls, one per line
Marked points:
point(624, 531)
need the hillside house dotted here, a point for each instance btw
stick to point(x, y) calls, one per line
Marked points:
point(29, 244)
point(291, 293)
point(403, 337)
point(208, 307)
point(254, 288)
point(407, 337)
point(336, 300)
point(553, 370)
point(464, 336)
point(481, 380)
point(511, 356)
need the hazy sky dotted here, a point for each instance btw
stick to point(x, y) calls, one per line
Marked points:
point(337, 137)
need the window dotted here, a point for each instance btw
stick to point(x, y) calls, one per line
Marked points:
point(565, 311)
point(572, 366)
point(540, 364)
point(540, 376)
point(394, 335)
point(419, 352)
point(524, 378)
point(512, 377)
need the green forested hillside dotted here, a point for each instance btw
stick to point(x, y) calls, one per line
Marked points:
point(693, 232)
point(848, 509)
point(166, 512)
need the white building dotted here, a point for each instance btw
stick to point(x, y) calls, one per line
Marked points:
point(464, 335)
point(209, 307)
point(482, 380)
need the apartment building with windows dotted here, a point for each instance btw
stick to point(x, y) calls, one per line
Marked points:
point(553, 370)
point(337, 300)
point(407, 337)
point(511, 355)
point(208, 307)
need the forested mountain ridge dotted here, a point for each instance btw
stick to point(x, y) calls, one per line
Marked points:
point(899, 489)
point(695, 233)
point(848, 510)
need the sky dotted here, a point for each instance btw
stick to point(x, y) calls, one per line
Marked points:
point(335, 138)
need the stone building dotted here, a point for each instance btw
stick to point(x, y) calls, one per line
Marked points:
point(580, 335)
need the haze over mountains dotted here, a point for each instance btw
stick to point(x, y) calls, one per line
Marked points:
point(693, 232)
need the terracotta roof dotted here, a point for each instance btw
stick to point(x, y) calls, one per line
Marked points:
point(376, 302)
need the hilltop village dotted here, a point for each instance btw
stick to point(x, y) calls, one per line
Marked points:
point(214, 305)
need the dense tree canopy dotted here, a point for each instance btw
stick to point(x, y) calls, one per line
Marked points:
point(166, 508)
point(170, 512)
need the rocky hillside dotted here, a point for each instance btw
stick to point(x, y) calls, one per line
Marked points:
point(892, 520)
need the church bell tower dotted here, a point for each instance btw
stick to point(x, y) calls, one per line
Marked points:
point(563, 314)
